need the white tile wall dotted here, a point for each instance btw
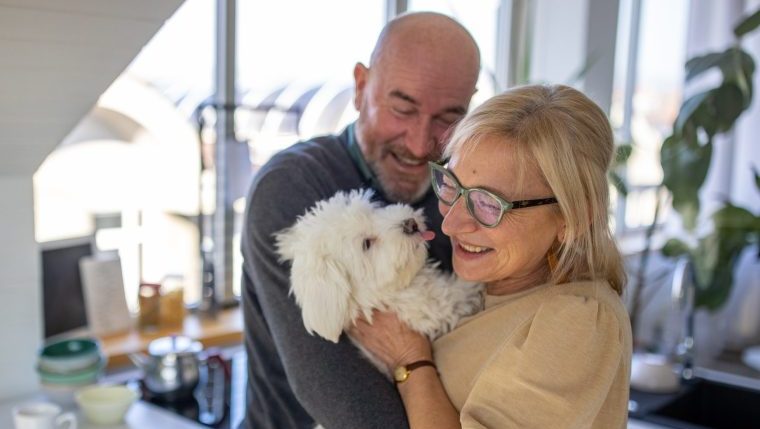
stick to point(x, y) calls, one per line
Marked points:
point(20, 303)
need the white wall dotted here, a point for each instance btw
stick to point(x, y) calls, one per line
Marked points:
point(57, 58)
point(20, 302)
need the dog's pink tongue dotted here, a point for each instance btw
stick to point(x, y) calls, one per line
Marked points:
point(427, 235)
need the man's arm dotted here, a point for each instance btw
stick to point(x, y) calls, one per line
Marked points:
point(336, 386)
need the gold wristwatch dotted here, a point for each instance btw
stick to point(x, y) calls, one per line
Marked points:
point(401, 373)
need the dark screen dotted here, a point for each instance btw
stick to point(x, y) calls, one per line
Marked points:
point(62, 295)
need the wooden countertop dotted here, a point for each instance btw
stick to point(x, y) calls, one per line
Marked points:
point(223, 330)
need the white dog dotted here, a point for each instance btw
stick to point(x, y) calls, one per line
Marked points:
point(350, 255)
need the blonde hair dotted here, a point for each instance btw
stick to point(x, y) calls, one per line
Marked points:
point(569, 139)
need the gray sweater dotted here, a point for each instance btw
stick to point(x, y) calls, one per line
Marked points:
point(295, 379)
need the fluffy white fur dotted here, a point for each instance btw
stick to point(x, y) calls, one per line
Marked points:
point(350, 255)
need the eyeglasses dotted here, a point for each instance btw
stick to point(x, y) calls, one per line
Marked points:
point(484, 206)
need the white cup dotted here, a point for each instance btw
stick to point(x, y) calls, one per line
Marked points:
point(653, 373)
point(42, 415)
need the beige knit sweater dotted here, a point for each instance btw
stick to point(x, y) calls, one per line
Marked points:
point(551, 357)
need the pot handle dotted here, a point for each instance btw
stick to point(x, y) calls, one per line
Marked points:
point(214, 355)
point(140, 360)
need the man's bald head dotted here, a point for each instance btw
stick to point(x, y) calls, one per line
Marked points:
point(421, 78)
point(427, 36)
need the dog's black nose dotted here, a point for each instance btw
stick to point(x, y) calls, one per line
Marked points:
point(410, 226)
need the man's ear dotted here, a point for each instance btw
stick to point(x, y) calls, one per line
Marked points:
point(361, 74)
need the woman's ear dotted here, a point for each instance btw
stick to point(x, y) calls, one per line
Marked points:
point(561, 230)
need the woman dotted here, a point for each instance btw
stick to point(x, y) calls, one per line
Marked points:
point(524, 197)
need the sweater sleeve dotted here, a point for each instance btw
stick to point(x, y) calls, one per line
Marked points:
point(332, 382)
point(554, 371)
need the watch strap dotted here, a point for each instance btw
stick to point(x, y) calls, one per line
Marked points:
point(418, 364)
point(407, 369)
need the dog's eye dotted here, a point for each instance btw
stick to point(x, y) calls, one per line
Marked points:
point(367, 243)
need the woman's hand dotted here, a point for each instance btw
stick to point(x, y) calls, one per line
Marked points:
point(394, 344)
point(390, 340)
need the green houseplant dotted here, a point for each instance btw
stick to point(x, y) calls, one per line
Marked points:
point(685, 157)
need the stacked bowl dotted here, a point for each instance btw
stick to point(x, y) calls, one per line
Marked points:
point(68, 365)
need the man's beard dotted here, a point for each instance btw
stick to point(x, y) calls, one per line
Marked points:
point(395, 193)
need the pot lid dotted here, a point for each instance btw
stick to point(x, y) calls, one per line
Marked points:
point(175, 344)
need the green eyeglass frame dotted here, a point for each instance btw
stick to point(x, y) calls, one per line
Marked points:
point(460, 190)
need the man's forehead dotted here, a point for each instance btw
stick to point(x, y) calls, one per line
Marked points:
point(444, 104)
point(428, 70)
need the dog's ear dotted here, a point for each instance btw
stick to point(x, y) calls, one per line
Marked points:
point(323, 291)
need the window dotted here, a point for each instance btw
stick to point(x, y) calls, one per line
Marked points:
point(137, 172)
point(480, 19)
point(647, 92)
point(129, 172)
point(295, 64)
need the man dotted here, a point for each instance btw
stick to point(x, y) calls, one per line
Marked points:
point(419, 82)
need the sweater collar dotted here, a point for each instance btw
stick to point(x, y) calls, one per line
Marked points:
point(368, 176)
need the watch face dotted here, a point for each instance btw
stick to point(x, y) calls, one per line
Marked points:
point(400, 374)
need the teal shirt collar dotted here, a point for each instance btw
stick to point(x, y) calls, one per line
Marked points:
point(368, 176)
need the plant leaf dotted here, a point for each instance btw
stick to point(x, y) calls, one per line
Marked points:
point(684, 165)
point(736, 65)
point(618, 182)
point(688, 109)
point(622, 153)
point(698, 65)
point(713, 297)
point(728, 105)
point(741, 72)
point(731, 219)
point(674, 248)
point(717, 254)
point(748, 24)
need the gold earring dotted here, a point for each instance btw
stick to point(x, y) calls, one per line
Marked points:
point(551, 259)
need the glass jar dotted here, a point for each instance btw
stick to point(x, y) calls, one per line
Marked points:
point(172, 312)
point(149, 296)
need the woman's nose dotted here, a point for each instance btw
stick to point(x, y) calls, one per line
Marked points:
point(456, 218)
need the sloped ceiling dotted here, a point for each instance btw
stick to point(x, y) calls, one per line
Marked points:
point(56, 58)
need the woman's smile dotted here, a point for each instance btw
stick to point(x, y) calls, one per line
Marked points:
point(470, 250)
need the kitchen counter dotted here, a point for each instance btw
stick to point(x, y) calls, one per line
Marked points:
point(141, 415)
point(223, 330)
point(635, 424)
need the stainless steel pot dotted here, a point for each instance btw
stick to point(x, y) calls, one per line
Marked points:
point(171, 366)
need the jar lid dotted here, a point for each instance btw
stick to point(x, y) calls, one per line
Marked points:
point(173, 345)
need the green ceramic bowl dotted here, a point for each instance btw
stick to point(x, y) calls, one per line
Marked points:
point(86, 375)
point(69, 356)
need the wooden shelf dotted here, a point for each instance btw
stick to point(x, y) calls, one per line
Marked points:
point(223, 330)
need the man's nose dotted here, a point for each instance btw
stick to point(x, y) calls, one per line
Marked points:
point(421, 141)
